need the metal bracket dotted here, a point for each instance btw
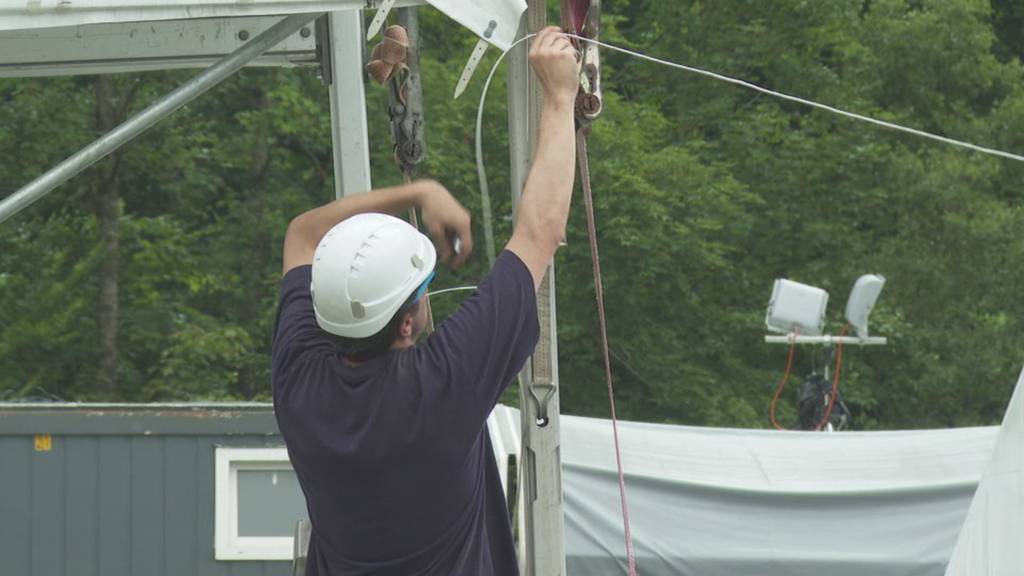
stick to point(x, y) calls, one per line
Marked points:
point(588, 100)
point(405, 100)
point(380, 18)
point(470, 68)
point(542, 400)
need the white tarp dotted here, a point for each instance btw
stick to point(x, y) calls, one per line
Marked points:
point(726, 502)
point(493, 20)
point(992, 540)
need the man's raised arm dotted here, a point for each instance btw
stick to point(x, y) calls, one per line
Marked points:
point(544, 206)
point(443, 216)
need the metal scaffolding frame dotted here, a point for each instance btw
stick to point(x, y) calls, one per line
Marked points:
point(88, 49)
point(341, 60)
point(149, 117)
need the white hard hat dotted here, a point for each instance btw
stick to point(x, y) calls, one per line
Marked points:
point(364, 269)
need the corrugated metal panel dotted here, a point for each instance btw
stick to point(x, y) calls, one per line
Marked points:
point(113, 505)
point(15, 504)
point(48, 510)
point(181, 486)
point(205, 564)
point(81, 549)
point(114, 521)
point(147, 510)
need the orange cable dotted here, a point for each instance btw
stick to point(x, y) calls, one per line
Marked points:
point(782, 384)
point(835, 379)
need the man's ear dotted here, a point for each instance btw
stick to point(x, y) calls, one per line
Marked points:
point(405, 328)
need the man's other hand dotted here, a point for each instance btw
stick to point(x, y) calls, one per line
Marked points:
point(555, 61)
point(445, 220)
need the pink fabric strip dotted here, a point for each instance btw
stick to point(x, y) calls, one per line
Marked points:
point(588, 201)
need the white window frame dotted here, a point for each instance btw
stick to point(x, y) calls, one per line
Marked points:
point(228, 545)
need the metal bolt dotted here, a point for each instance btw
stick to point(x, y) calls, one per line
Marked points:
point(243, 35)
point(305, 32)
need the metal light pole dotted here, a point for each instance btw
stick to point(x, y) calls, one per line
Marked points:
point(542, 547)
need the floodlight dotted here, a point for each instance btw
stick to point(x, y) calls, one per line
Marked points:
point(796, 307)
point(862, 299)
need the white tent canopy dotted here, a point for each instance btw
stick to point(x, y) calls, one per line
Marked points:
point(477, 15)
point(727, 502)
point(992, 540)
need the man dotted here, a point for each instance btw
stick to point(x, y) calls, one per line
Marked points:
point(388, 437)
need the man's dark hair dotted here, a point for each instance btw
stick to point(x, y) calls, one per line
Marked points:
point(363, 349)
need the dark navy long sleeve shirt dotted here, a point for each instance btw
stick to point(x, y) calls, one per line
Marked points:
point(393, 455)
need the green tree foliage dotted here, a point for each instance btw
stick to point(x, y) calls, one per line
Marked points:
point(705, 192)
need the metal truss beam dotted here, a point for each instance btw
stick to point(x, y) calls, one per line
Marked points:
point(144, 46)
point(32, 14)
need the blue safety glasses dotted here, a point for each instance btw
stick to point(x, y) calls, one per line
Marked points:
point(423, 288)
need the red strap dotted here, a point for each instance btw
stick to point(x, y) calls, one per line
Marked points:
point(588, 201)
point(577, 12)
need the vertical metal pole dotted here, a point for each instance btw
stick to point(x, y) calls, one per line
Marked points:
point(542, 547)
point(348, 103)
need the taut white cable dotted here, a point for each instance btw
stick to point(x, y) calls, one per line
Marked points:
point(482, 173)
point(810, 103)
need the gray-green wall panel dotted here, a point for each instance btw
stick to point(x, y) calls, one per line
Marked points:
point(15, 504)
point(147, 505)
point(248, 569)
point(48, 509)
point(119, 502)
point(115, 506)
point(205, 563)
point(136, 420)
point(81, 489)
point(180, 487)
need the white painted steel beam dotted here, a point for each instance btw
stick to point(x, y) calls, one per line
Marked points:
point(29, 14)
point(348, 103)
point(542, 545)
point(138, 47)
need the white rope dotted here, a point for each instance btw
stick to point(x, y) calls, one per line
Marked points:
point(456, 289)
point(810, 103)
point(482, 172)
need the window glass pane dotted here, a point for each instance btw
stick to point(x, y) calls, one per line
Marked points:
point(270, 502)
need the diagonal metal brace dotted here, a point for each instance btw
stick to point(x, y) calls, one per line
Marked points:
point(156, 112)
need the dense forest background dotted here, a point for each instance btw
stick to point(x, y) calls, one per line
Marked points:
point(153, 276)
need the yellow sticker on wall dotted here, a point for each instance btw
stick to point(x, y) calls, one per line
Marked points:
point(44, 443)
